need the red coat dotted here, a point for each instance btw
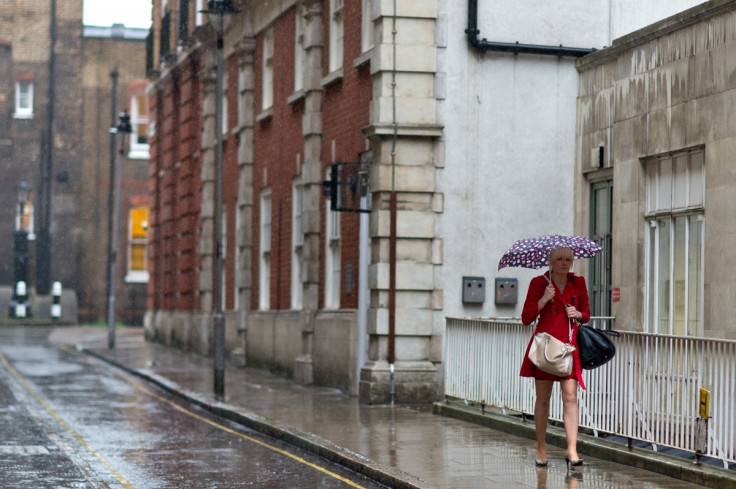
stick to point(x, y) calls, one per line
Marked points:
point(553, 320)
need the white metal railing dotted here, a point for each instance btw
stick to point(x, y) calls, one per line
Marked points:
point(648, 392)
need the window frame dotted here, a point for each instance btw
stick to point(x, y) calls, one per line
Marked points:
point(137, 150)
point(267, 86)
point(137, 275)
point(24, 110)
point(297, 247)
point(337, 35)
point(332, 258)
point(264, 251)
point(299, 48)
point(366, 26)
point(675, 230)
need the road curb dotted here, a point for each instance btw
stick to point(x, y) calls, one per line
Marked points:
point(677, 468)
point(319, 446)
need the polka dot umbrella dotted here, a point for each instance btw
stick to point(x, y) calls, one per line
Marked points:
point(534, 252)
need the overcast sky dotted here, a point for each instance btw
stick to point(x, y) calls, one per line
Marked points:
point(132, 13)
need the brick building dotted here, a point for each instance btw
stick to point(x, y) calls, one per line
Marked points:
point(37, 110)
point(114, 61)
point(55, 86)
point(308, 291)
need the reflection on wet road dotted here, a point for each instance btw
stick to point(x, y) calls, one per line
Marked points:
point(120, 432)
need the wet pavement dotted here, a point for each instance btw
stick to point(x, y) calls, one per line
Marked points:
point(398, 446)
point(68, 421)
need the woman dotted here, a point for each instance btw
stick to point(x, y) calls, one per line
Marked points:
point(555, 299)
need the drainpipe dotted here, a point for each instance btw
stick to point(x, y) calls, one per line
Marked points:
point(43, 244)
point(484, 45)
point(392, 232)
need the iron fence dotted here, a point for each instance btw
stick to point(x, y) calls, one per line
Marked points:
point(650, 391)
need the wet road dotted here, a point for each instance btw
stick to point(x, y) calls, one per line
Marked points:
point(69, 421)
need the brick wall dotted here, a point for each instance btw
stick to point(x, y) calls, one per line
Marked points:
point(278, 141)
point(175, 174)
point(100, 57)
point(346, 112)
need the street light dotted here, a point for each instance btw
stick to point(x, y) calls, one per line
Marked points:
point(216, 10)
point(123, 128)
point(20, 250)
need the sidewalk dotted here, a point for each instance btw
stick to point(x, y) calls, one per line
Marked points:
point(402, 447)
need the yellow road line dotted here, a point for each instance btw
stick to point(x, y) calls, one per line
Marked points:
point(58, 419)
point(225, 428)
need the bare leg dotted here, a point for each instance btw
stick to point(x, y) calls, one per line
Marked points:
point(541, 414)
point(569, 389)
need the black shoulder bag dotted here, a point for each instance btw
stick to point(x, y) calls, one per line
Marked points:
point(595, 346)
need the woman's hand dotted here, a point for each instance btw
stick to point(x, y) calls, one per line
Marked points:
point(573, 313)
point(549, 293)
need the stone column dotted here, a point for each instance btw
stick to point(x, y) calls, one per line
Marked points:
point(208, 173)
point(312, 177)
point(245, 50)
point(403, 131)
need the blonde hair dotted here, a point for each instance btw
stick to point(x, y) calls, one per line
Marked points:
point(559, 251)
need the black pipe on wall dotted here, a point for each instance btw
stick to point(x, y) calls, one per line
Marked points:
point(484, 45)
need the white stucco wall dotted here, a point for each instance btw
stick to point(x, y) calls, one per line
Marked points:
point(509, 132)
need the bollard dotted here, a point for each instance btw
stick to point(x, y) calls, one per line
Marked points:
point(56, 305)
point(22, 298)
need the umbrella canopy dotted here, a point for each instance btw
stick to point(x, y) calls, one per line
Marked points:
point(534, 252)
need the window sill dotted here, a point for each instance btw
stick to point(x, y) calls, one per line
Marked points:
point(363, 59)
point(139, 155)
point(594, 171)
point(333, 77)
point(296, 97)
point(136, 277)
point(265, 115)
point(22, 115)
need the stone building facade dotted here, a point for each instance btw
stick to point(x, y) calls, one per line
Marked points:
point(659, 103)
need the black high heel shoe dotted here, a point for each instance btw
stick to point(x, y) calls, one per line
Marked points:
point(540, 464)
point(574, 463)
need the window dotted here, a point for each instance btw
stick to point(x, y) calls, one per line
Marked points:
point(23, 99)
point(299, 49)
point(198, 15)
point(297, 245)
point(223, 278)
point(366, 25)
point(267, 85)
point(332, 264)
point(224, 106)
point(137, 245)
point(183, 21)
point(139, 124)
point(336, 34)
point(601, 220)
point(264, 283)
point(675, 191)
point(237, 274)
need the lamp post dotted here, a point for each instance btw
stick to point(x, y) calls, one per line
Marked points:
point(216, 10)
point(123, 128)
point(20, 250)
point(114, 74)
